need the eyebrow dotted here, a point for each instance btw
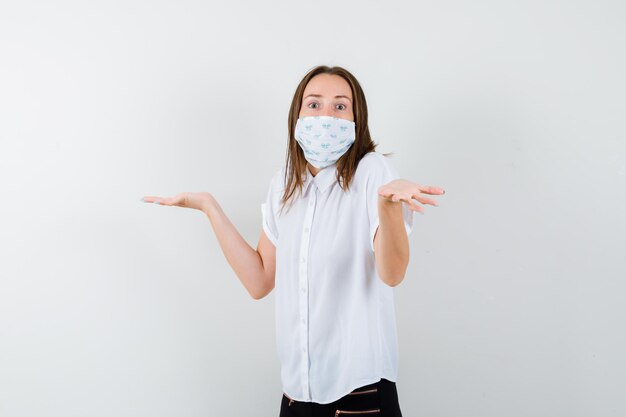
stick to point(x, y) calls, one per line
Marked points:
point(318, 95)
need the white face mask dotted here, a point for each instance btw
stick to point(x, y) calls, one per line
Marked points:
point(324, 138)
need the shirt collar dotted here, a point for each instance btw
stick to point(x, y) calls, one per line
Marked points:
point(323, 179)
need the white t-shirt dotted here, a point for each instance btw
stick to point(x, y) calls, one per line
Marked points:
point(335, 317)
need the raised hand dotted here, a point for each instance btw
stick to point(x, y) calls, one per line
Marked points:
point(407, 191)
point(187, 199)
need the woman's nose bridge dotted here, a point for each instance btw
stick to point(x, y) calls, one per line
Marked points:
point(328, 111)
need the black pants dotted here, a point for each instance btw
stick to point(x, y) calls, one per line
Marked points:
point(374, 400)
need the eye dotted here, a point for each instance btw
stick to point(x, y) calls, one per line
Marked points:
point(344, 106)
point(312, 103)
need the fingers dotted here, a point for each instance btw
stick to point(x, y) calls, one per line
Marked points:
point(177, 200)
point(409, 200)
point(164, 201)
point(431, 189)
point(405, 199)
point(427, 189)
point(412, 205)
point(416, 195)
point(151, 199)
point(425, 200)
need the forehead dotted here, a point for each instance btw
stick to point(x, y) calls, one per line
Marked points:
point(328, 85)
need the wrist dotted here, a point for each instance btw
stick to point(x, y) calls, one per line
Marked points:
point(208, 205)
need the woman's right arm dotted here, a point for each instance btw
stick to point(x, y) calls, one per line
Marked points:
point(254, 268)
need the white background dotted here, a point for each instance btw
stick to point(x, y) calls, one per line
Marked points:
point(513, 302)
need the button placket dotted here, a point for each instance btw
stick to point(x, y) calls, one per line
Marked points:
point(304, 284)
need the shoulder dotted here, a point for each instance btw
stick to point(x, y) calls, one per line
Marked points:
point(277, 180)
point(374, 163)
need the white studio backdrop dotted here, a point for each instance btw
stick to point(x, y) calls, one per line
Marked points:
point(513, 301)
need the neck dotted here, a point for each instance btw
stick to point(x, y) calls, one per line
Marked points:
point(312, 169)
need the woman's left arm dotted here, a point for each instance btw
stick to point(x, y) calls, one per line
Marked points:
point(391, 243)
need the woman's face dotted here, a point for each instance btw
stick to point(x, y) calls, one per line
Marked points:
point(327, 95)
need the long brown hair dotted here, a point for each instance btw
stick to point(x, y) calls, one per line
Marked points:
point(296, 163)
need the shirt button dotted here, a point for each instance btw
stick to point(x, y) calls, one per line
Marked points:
point(306, 230)
point(311, 204)
point(303, 289)
point(303, 259)
point(303, 321)
point(304, 349)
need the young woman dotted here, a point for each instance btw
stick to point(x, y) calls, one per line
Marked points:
point(334, 243)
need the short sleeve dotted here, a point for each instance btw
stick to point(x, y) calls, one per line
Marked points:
point(269, 210)
point(381, 172)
